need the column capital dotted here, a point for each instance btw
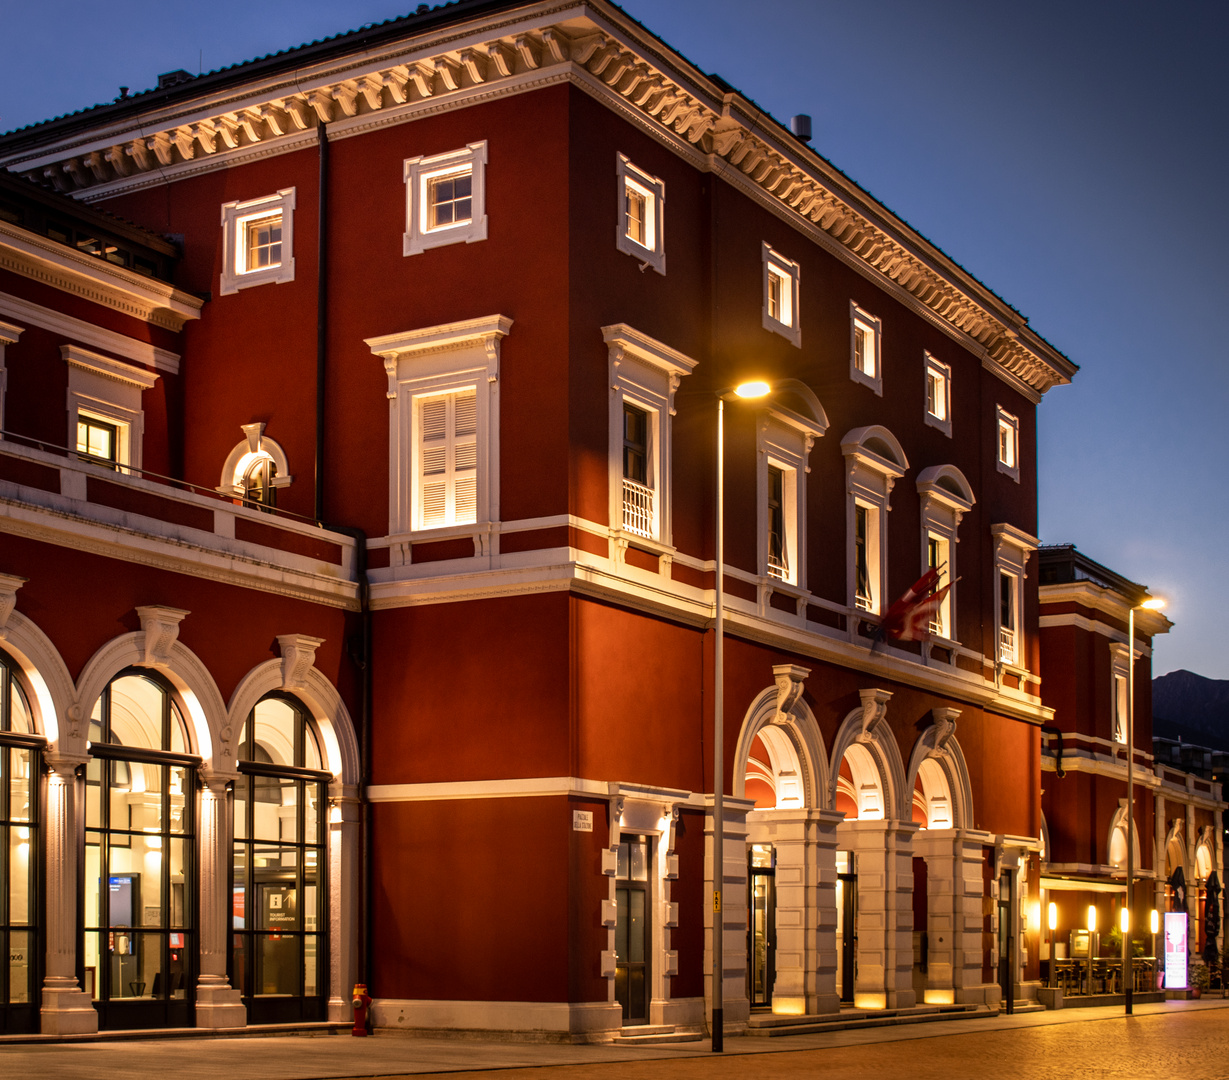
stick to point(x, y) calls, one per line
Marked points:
point(64, 765)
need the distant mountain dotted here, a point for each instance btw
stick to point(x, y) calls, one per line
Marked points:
point(1192, 708)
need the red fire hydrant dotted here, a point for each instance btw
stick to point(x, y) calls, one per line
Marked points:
point(362, 1006)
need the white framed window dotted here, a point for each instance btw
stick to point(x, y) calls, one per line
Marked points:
point(644, 375)
point(1119, 699)
point(642, 203)
point(865, 341)
point(106, 423)
point(256, 468)
point(938, 395)
point(443, 394)
point(874, 461)
point(258, 241)
point(1012, 548)
point(445, 199)
point(1007, 436)
point(8, 336)
point(945, 496)
point(783, 446)
point(781, 276)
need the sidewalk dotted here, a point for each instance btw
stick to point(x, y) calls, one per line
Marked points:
point(336, 1056)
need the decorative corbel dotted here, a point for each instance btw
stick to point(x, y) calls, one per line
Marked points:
point(250, 120)
point(295, 108)
point(298, 658)
point(423, 79)
point(395, 79)
point(9, 584)
point(500, 58)
point(271, 116)
point(162, 147)
point(945, 727)
point(601, 58)
point(160, 626)
point(475, 65)
point(390, 369)
point(97, 163)
point(228, 128)
point(556, 45)
point(207, 135)
point(184, 141)
point(790, 679)
point(118, 160)
point(874, 709)
point(527, 47)
point(372, 88)
point(57, 178)
point(74, 169)
point(582, 48)
point(322, 102)
point(448, 72)
point(253, 434)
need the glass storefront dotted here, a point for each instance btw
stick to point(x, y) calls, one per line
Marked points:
point(20, 948)
point(139, 950)
point(279, 948)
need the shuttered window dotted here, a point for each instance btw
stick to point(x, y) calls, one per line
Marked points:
point(448, 459)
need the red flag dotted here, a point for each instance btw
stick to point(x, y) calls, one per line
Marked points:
point(909, 618)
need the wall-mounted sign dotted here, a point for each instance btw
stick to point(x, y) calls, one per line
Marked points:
point(1175, 950)
point(582, 821)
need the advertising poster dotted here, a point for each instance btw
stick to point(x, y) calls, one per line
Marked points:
point(1175, 950)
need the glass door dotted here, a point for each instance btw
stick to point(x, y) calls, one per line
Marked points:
point(1006, 940)
point(846, 924)
point(139, 947)
point(20, 767)
point(761, 924)
point(278, 951)
point(632, 928)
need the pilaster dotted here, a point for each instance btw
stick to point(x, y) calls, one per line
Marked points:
point(218, 1004)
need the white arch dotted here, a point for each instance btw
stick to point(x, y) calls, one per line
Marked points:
point(800, 730)
point(1118, 824)
point(949, 759)
point(44, 674)
point(1175, 848)
point(877, 441)
point(322, 701)
point(240, 459)
point(880, 746)
point(198, 694)
point(948, 483)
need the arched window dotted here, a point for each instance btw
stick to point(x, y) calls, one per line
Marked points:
point(20, 767)
point(279, 952)
point(255, 469)
point(139, 881)
point(258, 486)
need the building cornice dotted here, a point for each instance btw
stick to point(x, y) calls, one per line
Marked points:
point(1097, 598)
point(50, 263)
point(510, 51)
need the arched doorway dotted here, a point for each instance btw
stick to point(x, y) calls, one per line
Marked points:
point(20, 769)
point(140, 948)
point(279, 954)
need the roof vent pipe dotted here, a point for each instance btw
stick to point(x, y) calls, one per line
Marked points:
point(800, 125)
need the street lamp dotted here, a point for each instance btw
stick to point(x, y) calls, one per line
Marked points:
point(747, 390)
point(1153, 603)
point(1053, 921)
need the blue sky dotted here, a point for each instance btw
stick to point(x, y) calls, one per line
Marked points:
point(1070, 155)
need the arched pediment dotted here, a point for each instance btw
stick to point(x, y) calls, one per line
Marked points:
point(879, 446)
point(947, 484)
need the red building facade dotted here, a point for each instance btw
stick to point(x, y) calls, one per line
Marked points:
point(408, 444)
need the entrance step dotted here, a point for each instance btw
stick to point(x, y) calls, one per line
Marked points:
point(771, 1025)
point(654, 1035)
point(1023, 1005)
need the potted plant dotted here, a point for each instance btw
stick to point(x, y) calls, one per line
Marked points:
point(1198, 978)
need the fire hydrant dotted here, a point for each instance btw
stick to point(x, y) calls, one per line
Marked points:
point(362, 1005)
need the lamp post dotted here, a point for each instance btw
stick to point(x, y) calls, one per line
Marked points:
point(744, 390)
point(1128, 975)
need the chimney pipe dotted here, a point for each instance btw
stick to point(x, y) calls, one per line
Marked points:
point(800, 125)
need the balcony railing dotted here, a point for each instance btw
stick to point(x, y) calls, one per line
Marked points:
point(1007, 645)
point(637, 508)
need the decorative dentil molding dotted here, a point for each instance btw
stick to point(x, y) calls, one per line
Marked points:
point(791, 681)
point(9, 584)
point(720, 129)
point(160, 626)
point(298, 658)
point(874, 709)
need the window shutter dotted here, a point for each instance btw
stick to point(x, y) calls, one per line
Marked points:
point(448, 459)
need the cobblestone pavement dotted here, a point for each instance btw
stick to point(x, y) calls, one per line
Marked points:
point(1186, 1040)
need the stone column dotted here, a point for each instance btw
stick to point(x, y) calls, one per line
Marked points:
point(66, 1008)
point(733, 917)
point(884, 851)
point(218, 1005)
point(343, 839)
